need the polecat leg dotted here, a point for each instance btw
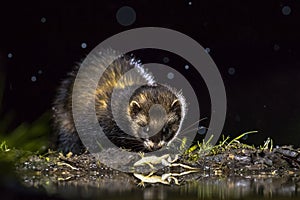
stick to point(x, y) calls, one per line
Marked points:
point(70, 143)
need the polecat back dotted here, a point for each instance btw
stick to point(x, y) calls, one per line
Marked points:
point(150, 119)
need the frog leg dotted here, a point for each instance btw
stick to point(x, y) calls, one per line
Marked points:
point(183, 166)
point(169, 177)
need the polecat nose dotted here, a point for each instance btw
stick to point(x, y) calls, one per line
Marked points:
point(155, 147)
point(152, 146)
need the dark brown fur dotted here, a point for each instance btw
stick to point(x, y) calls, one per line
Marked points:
point(136, 112)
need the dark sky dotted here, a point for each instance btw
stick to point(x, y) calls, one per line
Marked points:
point(255, 45)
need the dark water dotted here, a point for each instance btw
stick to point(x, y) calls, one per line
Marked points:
point(205, 188)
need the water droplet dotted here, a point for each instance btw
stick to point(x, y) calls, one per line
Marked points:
point(276, 47)
point(231, 70)
point(286, 10)
point(33, 78)
point(207, 50)
point(186, 67)
point(202, 130)
point(10, 55)
point(170, 75)
point(43, 20)
point(166, 59)
point(190, 3)
point(126, 16)
point(83, 45)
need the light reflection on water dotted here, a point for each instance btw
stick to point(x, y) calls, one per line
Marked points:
point(206, 188)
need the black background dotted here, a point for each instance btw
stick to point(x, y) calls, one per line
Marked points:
point(254, 37)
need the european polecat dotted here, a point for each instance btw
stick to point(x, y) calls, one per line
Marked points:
point(153, 116)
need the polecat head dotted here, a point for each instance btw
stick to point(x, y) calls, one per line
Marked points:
point(155, 113)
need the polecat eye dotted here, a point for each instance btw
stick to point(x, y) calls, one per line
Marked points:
point(167, 134)
point(146, 129)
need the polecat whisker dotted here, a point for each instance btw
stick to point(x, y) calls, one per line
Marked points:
point(188, 131)
point(197, 121)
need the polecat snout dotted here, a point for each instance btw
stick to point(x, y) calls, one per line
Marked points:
point(150, 119)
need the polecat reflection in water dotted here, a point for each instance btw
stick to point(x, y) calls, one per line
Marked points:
point(152, 108)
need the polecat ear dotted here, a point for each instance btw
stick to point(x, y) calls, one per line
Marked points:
point(175, 106)
point(135, 108)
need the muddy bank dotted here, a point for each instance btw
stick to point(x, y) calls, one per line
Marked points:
point(235, 171)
